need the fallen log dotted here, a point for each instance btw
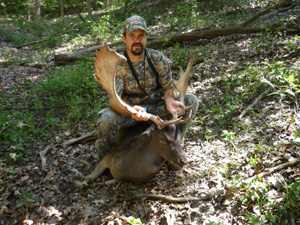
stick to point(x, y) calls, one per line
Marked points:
point(278, 5)
point(64, 59)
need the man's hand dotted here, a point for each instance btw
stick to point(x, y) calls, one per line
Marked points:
point(141, 115)
point(175, 106)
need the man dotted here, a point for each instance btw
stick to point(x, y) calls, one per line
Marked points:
point(144, 82)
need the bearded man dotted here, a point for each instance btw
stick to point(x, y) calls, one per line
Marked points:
point(144, 82)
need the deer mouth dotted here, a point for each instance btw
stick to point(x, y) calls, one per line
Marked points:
point(181, 162)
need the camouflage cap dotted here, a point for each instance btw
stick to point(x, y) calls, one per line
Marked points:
point(133, 23)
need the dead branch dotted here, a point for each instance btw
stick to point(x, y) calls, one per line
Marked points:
point(269, 171)
point(43, 156)
point(84, 138)
point(181, 199)
point(46, 39)
point(252, 19)
point(255, 102)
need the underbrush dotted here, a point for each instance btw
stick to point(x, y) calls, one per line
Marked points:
point(257, 199)
point(61, 102)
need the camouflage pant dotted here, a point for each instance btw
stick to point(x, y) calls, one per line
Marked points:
point(109, 122)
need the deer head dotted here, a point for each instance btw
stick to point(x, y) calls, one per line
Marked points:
point(106, 62)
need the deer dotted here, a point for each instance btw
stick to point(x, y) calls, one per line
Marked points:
point(140, 153)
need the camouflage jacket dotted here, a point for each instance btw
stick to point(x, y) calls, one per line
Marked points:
point(127, 86)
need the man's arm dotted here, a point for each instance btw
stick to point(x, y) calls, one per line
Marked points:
point(140, 116)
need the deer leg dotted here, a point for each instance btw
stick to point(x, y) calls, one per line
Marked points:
point(100, 168)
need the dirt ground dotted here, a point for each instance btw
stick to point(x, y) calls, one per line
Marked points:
point(211, 161)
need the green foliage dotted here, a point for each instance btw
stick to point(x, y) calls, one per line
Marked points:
point(208, 133)
point(127, 192)
point(291, 205)
point(287, 84)
point(135, 221)
point(10, 170)
point(260, 209)
point(254, 161)
point(216, 223)
point(229, 137)
point(251, 81)
point(61, 100)
point(26, 196)
point(255, 192)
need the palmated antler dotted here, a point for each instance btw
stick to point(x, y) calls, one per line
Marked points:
point(106, 62)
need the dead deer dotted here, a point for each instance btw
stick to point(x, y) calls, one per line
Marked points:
point(140, 154)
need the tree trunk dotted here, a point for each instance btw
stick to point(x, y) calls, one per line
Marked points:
point(94, 5)
point(73, 7)
point(89, 8)
point(29, 5)
point(61, 6)
point(37, 9)
point(125, 9)
point(28, 15)
point(106, 3)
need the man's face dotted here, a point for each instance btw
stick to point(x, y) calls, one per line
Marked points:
point(135, 41)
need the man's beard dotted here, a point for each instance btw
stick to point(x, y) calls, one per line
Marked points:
point(137, 51)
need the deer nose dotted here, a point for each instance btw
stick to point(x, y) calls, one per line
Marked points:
point(182, 160)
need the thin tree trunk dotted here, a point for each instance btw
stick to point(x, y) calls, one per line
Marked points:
point(73, 7)
point(89, 8)
point(125, 9)
point(61, 6)
point(94, 4)
point(37, 9)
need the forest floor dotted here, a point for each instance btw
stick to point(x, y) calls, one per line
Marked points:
point(265, 135)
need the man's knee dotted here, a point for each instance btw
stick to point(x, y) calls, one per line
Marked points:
point(191, 99)
point(106, 121)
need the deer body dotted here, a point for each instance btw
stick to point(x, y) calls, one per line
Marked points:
point(140, 153)
point(139, 156)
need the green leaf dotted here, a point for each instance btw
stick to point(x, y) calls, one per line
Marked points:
point(9, 170)
point(35, 198)
point(264, 80)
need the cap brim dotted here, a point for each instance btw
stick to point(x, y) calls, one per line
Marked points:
point(128, 31)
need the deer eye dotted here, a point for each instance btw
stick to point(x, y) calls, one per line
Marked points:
point(163, 140)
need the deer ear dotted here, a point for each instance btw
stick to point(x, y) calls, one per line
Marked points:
point(146, 135)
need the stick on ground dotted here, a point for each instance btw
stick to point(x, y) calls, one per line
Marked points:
point(255, 102)
point(181, 199)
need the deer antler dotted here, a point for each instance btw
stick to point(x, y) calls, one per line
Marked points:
point(181, 85)
point(106, 62)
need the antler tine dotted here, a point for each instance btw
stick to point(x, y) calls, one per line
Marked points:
point(182, 83)
point(163, 123)
point(186, 119)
